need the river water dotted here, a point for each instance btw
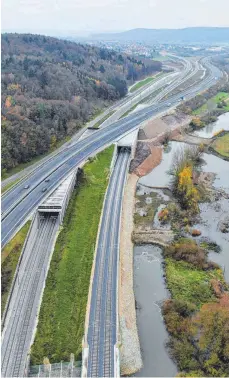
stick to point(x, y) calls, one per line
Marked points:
point(150, 292)
point(209, 130)
point(149, 284)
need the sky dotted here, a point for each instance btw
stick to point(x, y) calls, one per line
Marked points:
point(69, 17)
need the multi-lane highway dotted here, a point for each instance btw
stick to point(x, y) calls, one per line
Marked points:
point(102, 329)
point(21, 315)
point(19, 202)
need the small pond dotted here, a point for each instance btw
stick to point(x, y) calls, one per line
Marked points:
point(209, 130)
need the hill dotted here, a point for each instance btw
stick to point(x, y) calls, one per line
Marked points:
point(51, 87)
point(208, 35)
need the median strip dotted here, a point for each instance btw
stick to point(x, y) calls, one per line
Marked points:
point(62, 315)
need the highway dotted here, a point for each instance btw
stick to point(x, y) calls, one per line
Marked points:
point(18, 203)
point(21, 316)
point(102, 328)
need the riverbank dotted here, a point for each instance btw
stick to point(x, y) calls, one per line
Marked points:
point(196, 285)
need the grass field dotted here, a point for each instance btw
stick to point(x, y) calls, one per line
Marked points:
point(103, 119)
point(221, 145)
point(62, 315)
point(10, 256)
point(129, 111)
point(10, 185)
point(190, 284)
point(142, 83)
point(161, 58)
point(220, 96)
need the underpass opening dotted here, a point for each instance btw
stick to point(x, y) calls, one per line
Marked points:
point(123, 149)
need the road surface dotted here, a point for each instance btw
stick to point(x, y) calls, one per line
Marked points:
point(18, 203)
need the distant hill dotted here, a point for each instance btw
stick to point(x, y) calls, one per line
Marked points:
point(51, 87)
point(208, 35)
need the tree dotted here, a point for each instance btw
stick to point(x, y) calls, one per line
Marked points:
point(102, 69)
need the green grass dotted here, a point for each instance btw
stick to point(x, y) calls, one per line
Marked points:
point(96, 126)
point(8, 186)
point(129, 111)
point(161, 58)
point(61, 321)
point(221, 145)
point(10, 256)
point(220, 96)
point(190, 284)
point(142, 83)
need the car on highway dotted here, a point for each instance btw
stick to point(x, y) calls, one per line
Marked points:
point(44, 190)
point(26, 187)
point(47, 180)
point(169, 104)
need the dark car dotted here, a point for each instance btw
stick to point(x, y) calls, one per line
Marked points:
point(44, 189)
point(47, 180)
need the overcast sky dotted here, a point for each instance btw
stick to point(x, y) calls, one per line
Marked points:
point(74, 16)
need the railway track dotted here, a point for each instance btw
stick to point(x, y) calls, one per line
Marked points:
point(102, 319)
point(21, 318)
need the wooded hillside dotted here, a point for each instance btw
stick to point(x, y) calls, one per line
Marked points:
point(51, 87)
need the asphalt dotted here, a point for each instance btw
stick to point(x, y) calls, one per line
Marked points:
point(102, 328)
point(19, 202)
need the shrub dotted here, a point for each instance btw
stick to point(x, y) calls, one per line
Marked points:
point(201, 147)
point(181, 307)
point(163, 215)
point(189, 252)
point(196, 232)
point(196, 123)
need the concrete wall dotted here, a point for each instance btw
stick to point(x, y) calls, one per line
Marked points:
point(29, 241)
point(68, 196)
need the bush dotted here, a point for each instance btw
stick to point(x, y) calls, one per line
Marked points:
point(196, 232)
point(181, 307)
point(163, 216)
point(189, 252)
point(196, 123)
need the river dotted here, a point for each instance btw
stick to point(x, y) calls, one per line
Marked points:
point(150, 292)
point(149, 284)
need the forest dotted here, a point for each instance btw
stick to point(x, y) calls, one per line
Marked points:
point(51, 87)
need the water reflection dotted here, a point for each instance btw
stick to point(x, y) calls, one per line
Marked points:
point(209, 130)
point(150, 292)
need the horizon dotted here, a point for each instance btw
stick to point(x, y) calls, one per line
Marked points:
point(80, 17)
point(56, 33)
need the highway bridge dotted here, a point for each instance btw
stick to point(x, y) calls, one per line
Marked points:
point(19, 202)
